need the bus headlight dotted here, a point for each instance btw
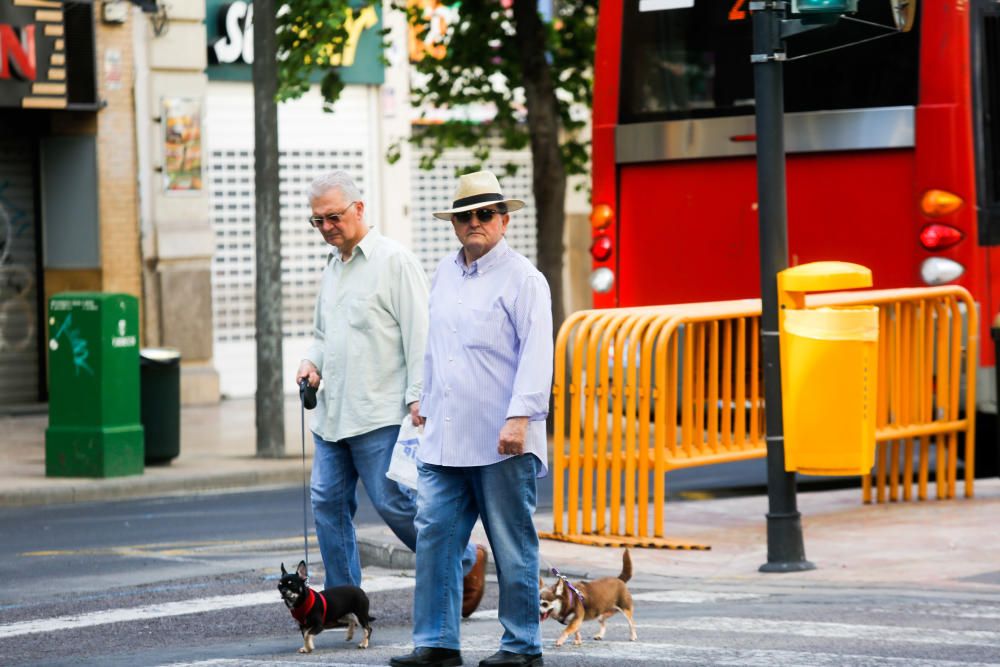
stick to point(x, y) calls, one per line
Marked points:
point(602, 280)
point(938, 270)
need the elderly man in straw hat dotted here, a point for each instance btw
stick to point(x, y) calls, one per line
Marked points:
point(487, 378)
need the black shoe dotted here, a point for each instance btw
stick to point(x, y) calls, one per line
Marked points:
point(508, 659)
point(429, 656)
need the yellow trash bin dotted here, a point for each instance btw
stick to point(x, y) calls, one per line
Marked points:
point(830, 370)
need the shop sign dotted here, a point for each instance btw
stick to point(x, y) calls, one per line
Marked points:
point(431, 42)
point(230, 43)
point(32, 54)
point(438, 17)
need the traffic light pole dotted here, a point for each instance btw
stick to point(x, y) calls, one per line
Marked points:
point(785, 550)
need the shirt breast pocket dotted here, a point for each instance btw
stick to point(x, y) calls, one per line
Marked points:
point(364, 313)
point(485, 329)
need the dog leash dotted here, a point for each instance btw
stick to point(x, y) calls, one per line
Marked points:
point(307, 400)
point(570, 586)
point(573, 590)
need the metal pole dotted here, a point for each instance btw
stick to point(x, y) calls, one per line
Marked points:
point(785, 550)
point(270, 417)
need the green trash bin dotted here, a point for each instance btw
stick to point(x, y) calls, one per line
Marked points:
point(160, 380)
point(93, 352)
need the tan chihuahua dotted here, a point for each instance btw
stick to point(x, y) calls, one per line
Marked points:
point(572, 604)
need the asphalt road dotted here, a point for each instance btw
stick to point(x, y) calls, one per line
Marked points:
point(82, 546)
point(192, 582)
point(678, 623)
point(60, 544)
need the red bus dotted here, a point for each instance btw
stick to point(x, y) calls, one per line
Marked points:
point(893, 155)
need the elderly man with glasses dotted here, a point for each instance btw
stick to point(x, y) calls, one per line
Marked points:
point(368, 349)
point(487, 381)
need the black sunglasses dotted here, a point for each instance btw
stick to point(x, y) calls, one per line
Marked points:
point(334, 218)
point(483, 214)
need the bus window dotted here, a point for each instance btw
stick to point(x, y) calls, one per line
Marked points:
point(987, 35)
point(694, 62)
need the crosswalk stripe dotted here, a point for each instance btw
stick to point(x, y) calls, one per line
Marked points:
point(667, 654)
point(643, 652)
point(948, 610)
point(693, 597)
point(181, 608)
point(674, 653)
point(651, 653)
point(855, 632)
point(245, 662)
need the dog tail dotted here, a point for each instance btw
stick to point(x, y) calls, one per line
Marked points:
point(626, 567)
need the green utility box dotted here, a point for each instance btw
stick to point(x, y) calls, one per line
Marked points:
point(94, 427)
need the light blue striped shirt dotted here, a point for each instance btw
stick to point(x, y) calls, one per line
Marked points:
point(489, 357)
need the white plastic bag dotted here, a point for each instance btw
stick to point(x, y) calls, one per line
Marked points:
point(403, 466)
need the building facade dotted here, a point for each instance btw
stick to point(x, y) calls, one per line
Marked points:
point(372, 114)
point(68, 207)
point(126, 165)
point(170, 89)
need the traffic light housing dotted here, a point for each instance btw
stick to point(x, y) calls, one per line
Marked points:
point(824, 6)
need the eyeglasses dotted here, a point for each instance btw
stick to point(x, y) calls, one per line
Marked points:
point(483, 214)
point(333, 218)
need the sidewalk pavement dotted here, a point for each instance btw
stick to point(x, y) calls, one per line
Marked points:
point(953, 544)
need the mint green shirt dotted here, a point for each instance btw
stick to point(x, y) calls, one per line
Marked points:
point(370, 329)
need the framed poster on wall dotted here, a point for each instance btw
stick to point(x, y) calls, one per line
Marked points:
point(181, 145)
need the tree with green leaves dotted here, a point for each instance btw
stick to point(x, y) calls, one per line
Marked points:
point(535, 73)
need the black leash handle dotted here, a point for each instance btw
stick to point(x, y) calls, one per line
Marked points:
point(307, 397)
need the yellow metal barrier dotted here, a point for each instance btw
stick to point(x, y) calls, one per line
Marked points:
point(928, 353)
point(643, 391)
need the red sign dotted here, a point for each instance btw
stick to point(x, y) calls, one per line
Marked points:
point(47, 54)
point(17, 52)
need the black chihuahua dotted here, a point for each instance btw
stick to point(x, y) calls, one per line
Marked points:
point(318, 611)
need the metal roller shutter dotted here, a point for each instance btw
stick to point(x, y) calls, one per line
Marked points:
point(19, 358)
point(434, 188)
point(312, 142)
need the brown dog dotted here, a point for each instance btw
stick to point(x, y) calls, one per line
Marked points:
point(572, 604)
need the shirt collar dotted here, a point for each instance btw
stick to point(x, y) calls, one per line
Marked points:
point(366, 245)
point(485, 263)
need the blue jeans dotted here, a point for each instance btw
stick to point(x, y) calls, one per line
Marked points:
point(335, 472)
point(448, 502)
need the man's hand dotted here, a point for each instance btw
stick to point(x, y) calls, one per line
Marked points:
point(309, 371)
point(512, 436)
point(415, 413)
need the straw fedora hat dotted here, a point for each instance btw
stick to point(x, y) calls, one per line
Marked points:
point(476, 190)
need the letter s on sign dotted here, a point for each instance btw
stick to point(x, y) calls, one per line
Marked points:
point(248, 37)
point(229, 48)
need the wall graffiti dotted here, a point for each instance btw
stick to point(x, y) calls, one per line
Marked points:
point(17, 312)
point(78, 344)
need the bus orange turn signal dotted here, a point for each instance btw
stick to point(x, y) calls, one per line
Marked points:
point(936, 236)
point(936, 203)
point(601, 216)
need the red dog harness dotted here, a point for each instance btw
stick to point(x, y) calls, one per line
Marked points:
point(299, 613)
